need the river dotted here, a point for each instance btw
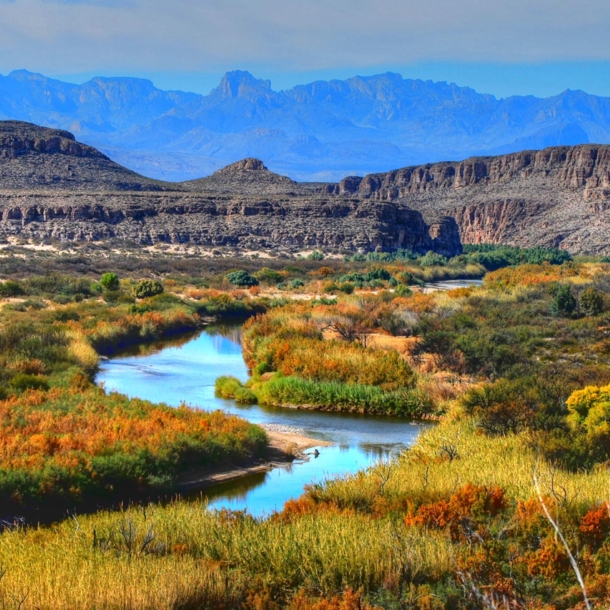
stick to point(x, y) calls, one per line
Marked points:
point(184, 370)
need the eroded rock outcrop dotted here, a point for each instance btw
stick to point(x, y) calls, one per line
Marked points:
point(51, 188)
point(559, 196)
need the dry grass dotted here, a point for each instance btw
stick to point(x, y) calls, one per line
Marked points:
point(211, 560)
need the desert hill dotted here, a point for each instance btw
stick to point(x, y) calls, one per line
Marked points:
point(34, 158)
point(54, 187)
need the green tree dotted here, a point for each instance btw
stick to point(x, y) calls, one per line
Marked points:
point(242, 278)
point(564, 301)
point(110, 281)
point(147, 288)
point(591, 302)
point(432, 259)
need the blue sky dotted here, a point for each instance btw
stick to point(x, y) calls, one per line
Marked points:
point(521, 47)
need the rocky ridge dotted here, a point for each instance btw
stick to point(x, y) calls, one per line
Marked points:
point(558, 196)
point(33, 158)
point(53, 187)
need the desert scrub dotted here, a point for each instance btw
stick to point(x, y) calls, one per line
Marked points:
point(293, 391)
point(72, 445)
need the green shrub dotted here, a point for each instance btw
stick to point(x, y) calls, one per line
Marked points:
point(296, 284)
point(147, 288)
point(316, 255)
point(11, 289)
point(564, 301)
point(242, 278)
point(432, 259)
point(228, 386)
point(334, 396)
point(377, 274)
point(591, 302)
point(346, 287)
point(62, 299)
point(403, 291)
point(110, 281)
point(111, 296)
point(22, 381)
point(268, 276)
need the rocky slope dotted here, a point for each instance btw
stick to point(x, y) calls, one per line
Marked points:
point(35, 158)
point(559, 196)
point(53, 187)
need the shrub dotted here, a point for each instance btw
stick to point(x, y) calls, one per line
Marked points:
point(23, 381)
point(591, 302)
point(147, 288)
point(289, 391)
point(10, 289)
point(316, 255)
point(268, 276)
point(432, 259)
point(403, 291)
point(564, 301)
point(377, 274)
point(242, 278)
point(228, 386)
point(296, 284)
point(346, 287)
point(110, 281)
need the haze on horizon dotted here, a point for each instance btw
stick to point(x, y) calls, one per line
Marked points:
point(538, 47)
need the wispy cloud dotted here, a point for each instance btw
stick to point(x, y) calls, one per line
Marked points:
point(190, 35)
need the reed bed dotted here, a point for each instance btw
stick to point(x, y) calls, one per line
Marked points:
point(184, 556)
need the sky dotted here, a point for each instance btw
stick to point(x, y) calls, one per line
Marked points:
point(539, 47)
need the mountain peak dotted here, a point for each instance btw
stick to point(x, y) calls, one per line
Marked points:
point(240, 83)
point(249, 164)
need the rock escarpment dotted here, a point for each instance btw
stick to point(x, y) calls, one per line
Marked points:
point(559, 196)
point(53, 187)
point(291, 223)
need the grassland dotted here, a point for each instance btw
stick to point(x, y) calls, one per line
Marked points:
point(519, 369)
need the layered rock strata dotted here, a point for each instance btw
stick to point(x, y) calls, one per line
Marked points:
point(53, 187)
point(554, 197)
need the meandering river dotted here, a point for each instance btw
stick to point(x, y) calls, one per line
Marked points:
point(184, 370)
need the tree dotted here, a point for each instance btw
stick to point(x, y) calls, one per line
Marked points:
point(591, 302)
point(564, 301)
point(110, 281)
point(242, 278)
point(432, 259)
point(147, 288)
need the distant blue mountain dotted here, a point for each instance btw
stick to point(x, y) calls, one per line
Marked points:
point(320, 131)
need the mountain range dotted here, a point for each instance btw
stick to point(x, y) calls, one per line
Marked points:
point(320, 131)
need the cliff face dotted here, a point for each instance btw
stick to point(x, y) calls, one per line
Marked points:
point(569, 167)
point(53, 187)
point(558, 196)
point(292, 223)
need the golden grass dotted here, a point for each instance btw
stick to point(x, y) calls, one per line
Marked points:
point(81, 350)
point(455, 453)
point(197, 555)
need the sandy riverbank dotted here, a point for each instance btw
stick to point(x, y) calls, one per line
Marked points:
point(285, 446)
